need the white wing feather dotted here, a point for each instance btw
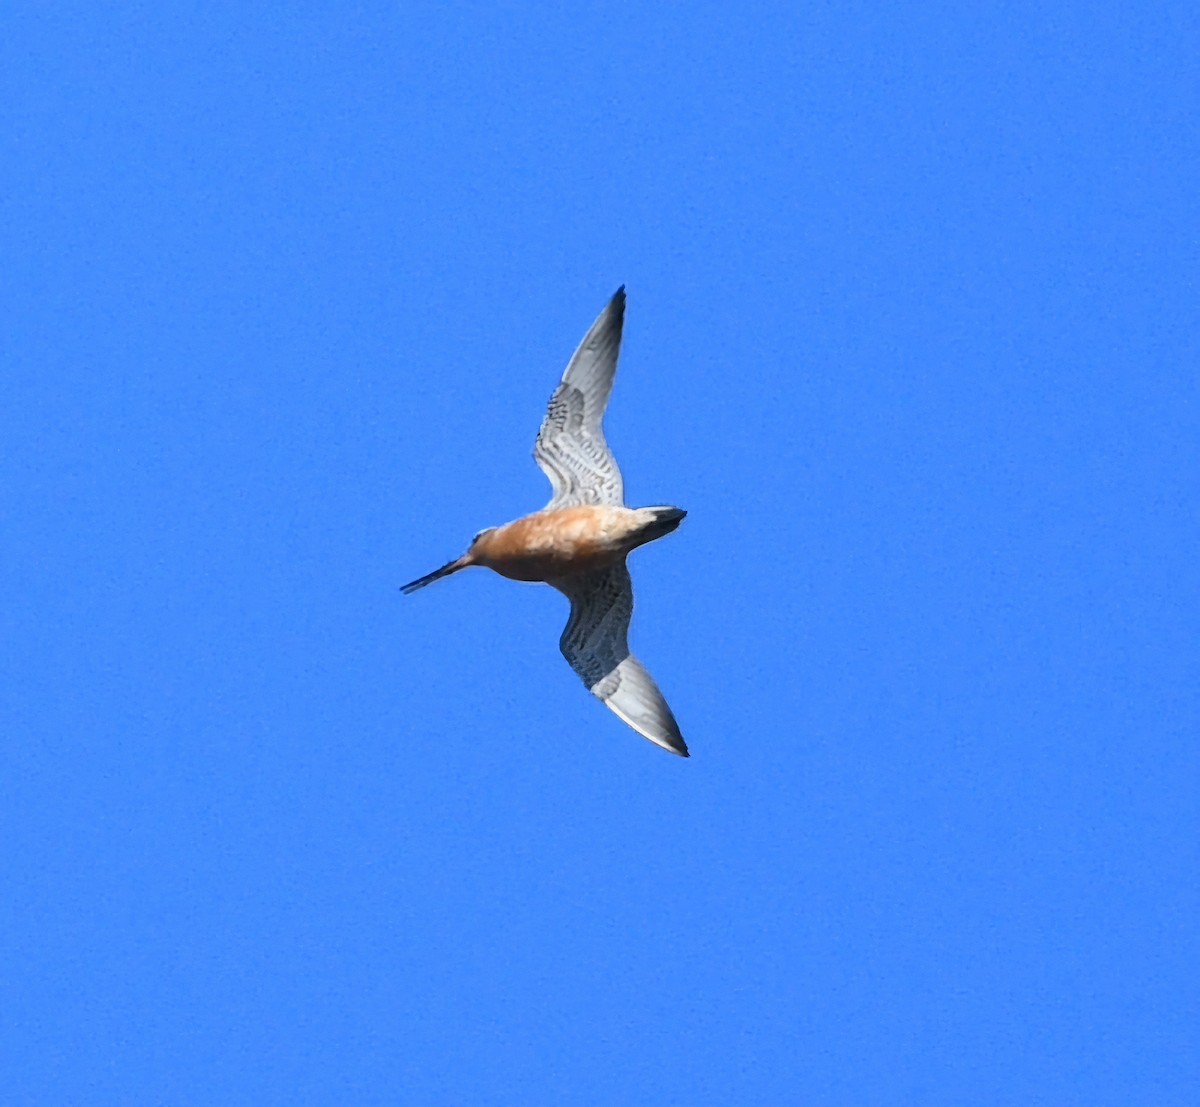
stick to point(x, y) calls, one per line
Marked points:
point(570, 446)
point(595, 643)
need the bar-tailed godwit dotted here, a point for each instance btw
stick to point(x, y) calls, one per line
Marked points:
point(579, 541)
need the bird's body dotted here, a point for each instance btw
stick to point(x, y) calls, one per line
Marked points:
point(578, 543)
point(557, 544)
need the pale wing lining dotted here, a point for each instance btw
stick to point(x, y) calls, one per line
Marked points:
point(595, 644)
point(570, 447)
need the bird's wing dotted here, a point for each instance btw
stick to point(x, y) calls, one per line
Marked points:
point(570, 446)
point(595, 643)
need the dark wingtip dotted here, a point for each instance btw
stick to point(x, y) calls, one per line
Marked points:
point(673, 741)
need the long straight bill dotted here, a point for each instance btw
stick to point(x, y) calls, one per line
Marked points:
point(437, 574)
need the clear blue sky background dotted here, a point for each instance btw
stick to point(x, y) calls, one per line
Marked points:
point(912, 334)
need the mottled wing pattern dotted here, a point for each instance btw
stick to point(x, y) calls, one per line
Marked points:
point(595, 643)
point(570, 446)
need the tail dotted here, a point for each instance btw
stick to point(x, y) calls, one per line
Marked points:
point(437, 574)
point(663, 520)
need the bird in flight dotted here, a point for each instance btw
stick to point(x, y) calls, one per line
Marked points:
point(579, 541)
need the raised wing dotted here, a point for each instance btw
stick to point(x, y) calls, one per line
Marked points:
point(595, 643)
point(570, 446)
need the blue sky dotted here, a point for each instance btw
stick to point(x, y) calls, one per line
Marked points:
point(912, 334)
